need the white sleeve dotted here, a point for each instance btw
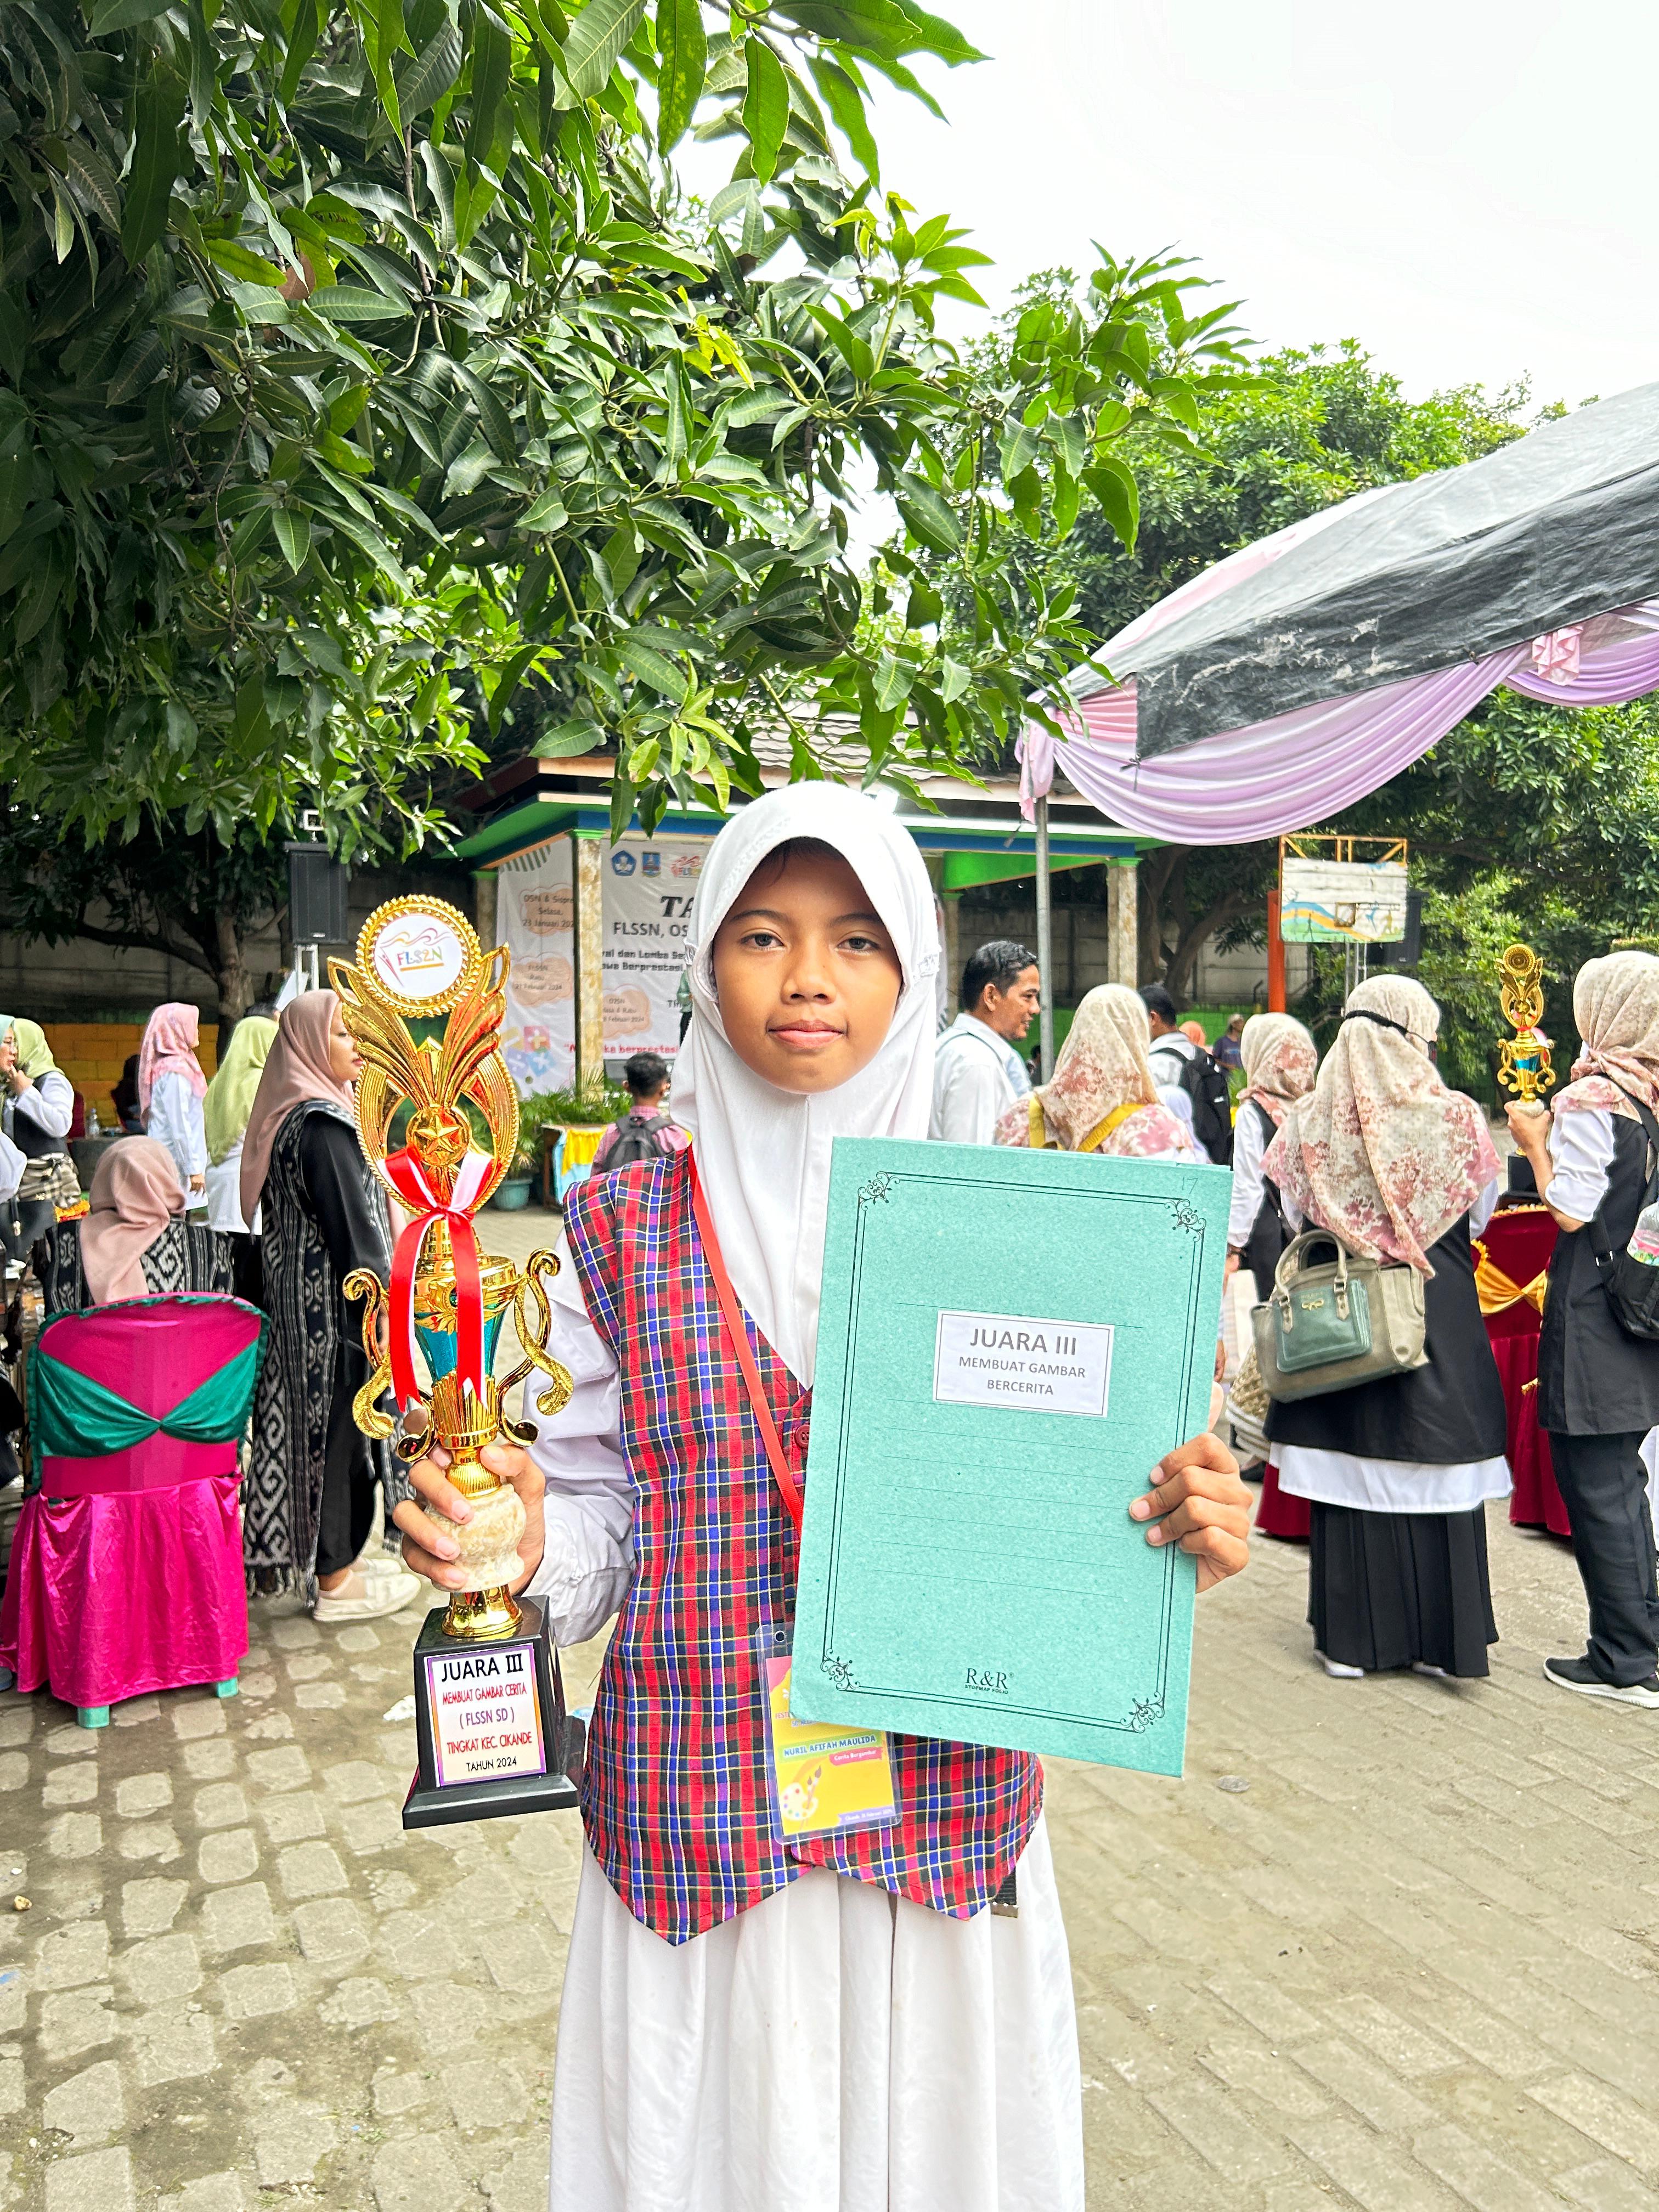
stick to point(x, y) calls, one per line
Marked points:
point(49, 1103)
point(589, 1560)
point(1581, 1146)
point(1250, 1148)
point(1483, 1207)
point(12, 1165)
point(169, 1124)
point(971, 1095)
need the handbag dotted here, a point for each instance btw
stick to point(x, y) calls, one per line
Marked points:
point(1331, 1324)
point(1632, 1285)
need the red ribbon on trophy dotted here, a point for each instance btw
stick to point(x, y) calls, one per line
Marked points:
point(427, 1208)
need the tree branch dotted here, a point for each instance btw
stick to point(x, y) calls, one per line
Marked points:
point(141, 941)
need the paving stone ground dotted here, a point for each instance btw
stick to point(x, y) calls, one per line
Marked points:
point(1412, 1965)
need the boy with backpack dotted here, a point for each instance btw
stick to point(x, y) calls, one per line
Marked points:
point(1179, 1065)
point(647, 1131)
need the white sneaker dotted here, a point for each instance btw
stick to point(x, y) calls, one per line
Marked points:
point(362, 1598)
point(1422, 1667)
point(1338, 1672)
point(379, 1563)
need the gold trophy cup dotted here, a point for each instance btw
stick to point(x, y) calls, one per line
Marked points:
point(1524, 1060)
point(438, 1119)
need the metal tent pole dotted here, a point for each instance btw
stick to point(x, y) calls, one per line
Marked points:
point(1045, 943)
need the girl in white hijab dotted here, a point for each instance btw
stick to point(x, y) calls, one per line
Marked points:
point(839, 2022)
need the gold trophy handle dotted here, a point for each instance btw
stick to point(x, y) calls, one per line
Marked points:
point(533, 1338)
point(363, 1282)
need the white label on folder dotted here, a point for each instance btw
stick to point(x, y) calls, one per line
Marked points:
point(1033, 1366)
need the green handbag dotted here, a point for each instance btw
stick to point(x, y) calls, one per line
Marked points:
point(1332, 1323)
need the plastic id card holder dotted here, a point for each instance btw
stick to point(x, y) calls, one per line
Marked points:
point(826, 1781)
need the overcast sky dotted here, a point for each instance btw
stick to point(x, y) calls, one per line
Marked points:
point(1466, 189)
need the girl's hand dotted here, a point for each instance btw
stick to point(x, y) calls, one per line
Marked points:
point(429, 1550)
point(1198, 1502)
point(1529, 1128)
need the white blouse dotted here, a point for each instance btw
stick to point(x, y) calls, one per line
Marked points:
point(175, 1121)
point(1249, 1150)
point(1581, 1146)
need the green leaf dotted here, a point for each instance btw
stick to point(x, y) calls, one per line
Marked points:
point(140, 365)
point(293, 527)
point(40, 593)
point(508, 682)
point(1114, 488)
point(356, 303)
point(301, 45)
point(597, 41)
point(548, 512)
point(121, 14)
point(93, 177)
point(925, 607)
point(16, 473)
point(846, 104)
point(13, 338)
point(435, 69)
point(683, 46)
point(927, 515)
point(567, 739)
point(651, 667)
point(765, 107)
point(492, 71)
point(881, 29)
point(847, 342)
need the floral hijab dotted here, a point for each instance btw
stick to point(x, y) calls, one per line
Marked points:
point(1615, 1006)
point(1103, 1070)
point(1380, 1152)
point(1280, 1062)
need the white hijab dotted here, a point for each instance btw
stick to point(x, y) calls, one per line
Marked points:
point(763, 1154)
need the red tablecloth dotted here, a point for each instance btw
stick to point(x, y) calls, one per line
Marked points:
point(1518, 1242)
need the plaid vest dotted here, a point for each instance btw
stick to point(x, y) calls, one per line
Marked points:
point(676, 1799)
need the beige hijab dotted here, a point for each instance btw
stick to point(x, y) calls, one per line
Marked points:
point(1380, 1151)
point(1280, 1062)
point(298, 1070)
point(136, 1192)
point(1615, 1006)
point(1102, 1068)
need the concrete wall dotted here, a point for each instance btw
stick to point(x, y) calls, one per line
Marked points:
point(1238, 978)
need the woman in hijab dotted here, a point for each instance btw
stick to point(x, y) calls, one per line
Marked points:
point(1101, 1097)
point(35, 1119)
point(1280, 1061)
point(1397, 1471)
point(134, 1242)
point(225, 1111)
point(1598, 1389)
point(170, 1087)
point(886, 2039)
point(310, 1496)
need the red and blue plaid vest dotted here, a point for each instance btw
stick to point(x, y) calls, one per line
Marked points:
point(676, 1799)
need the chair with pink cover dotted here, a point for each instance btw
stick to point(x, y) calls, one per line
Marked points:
point(126, 1571)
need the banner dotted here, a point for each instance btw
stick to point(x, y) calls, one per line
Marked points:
point(1353, 900)
point(648, 886)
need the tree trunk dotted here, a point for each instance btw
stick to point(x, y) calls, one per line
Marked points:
point(1195, 935)
point(1154, 875)
point(230, 973)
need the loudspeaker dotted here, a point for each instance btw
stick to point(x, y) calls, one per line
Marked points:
point(316, 896)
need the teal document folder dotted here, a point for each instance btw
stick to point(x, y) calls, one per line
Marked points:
point(1009, 1342)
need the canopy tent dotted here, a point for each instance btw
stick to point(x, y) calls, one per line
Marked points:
point(1296, 677)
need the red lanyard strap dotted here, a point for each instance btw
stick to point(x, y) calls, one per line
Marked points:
point(788, 1488)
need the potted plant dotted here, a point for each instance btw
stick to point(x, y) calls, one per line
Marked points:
point(513, 1191)
point(548, 1118)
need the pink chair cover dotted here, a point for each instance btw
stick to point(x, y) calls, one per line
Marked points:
point(126, 1571)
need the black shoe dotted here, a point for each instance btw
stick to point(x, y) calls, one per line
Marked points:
point(1578, 1675)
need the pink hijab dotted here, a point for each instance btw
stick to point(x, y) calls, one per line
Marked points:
point(136, 1192)
point(1615, 1004)
point(1102, 1067)
point(297, 1070)
point(169, 1048)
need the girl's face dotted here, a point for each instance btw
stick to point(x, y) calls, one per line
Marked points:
point(344, 1056)
point(806, 973)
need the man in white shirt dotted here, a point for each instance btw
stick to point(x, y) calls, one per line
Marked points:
point(977, 1074)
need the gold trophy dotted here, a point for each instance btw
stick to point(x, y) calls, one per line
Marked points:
point(438, 1119)
point(1524, 1060)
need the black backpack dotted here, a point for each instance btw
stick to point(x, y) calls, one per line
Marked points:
point(1205, 1082)
point(1632, 1286)
point(638, 1140)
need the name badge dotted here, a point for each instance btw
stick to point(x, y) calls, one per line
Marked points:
point(826, 1781)
point(1030, 1366)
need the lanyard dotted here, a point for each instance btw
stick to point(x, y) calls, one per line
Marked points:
point(788, 1488)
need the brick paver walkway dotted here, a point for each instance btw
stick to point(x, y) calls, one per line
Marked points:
point(1391, 1943)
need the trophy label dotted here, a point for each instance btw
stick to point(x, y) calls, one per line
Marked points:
point(486, 1716)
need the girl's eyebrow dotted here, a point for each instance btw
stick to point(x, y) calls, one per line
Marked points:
point(773, 914)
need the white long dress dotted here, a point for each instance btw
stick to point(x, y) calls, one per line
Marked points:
point(834, 2049)
point(176, 1120)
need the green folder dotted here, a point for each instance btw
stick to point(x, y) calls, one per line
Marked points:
point(1009, 1342)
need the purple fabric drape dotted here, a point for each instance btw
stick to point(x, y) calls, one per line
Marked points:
point(1300, 768)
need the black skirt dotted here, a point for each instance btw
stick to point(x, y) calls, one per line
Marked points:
point(1386, 1589)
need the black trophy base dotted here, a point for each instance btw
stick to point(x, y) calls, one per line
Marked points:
point(491, 1726)
point(1520, 1181)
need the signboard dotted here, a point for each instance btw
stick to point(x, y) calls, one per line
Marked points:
point(1349, 901)
point(649, 885)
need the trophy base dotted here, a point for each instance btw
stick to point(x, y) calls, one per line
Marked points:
point(492, 1733)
